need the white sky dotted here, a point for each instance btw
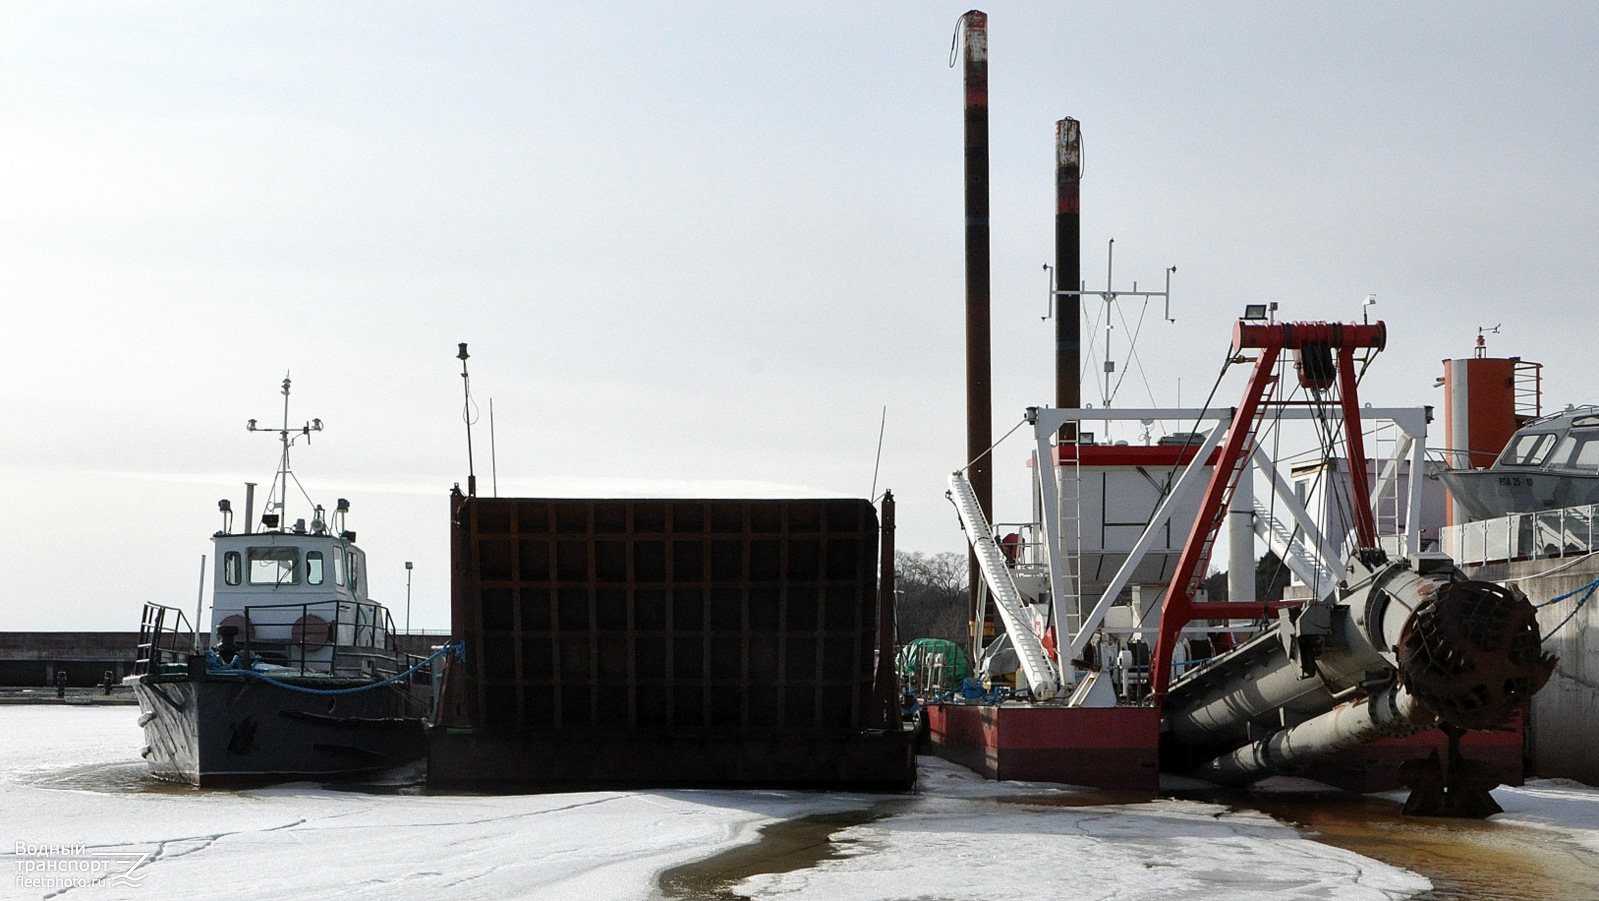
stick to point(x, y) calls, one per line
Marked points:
point(697, 249)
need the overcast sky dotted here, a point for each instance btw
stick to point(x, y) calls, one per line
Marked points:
point(697, 249)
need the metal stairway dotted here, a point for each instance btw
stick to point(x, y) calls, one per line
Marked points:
point(1290, 547)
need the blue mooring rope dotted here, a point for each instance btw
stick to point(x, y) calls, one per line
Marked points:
point(458, 648)
point(1588, 588)
point(1587, 591)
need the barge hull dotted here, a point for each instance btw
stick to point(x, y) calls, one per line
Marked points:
point(1099, 747)
point(872, 761)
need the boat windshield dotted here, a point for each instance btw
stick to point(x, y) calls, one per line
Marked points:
point(1578, 450)
point(274, 565)
point(1527, 450)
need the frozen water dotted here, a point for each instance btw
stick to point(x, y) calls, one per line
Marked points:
point(72, 786)
point(959, 843)
point(305, 841)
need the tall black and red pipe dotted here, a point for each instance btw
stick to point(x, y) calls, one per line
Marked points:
point(1068, 269)
point(973, 32)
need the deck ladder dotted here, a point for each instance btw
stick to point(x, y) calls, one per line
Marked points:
point(1071, 545)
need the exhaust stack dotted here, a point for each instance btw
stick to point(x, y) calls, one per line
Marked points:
point(973, 32)
point(1068, 270)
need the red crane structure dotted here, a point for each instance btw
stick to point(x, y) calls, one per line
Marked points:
point(1325, 356)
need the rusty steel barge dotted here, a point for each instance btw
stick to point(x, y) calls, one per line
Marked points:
point(639, 642)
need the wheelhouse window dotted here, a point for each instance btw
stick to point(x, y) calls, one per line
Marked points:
point(1587, 456)
point(313, 567)
point(1528, 450)
point(1579, 450)
point(232, 568)
point(338, 566)
point(274, 565)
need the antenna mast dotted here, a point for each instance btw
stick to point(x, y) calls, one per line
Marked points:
point(280, 481)
point(1110, 295)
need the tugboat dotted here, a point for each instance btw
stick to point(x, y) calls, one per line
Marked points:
point(301, 677)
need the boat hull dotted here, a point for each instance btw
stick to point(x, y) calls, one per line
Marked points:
point(1491, 493)
point(215, 730)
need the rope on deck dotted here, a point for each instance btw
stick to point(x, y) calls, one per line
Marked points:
point(214, 664)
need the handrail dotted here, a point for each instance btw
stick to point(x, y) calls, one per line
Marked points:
point(155, 636)
point(367, 620)
point(1557, 533)
point(167, 637)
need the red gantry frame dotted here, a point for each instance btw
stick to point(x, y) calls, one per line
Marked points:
point(1317, 344)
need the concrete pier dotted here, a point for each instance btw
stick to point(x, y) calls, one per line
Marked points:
point(33, 659)
point(29, 659)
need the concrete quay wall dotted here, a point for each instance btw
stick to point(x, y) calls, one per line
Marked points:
point(1563, 723)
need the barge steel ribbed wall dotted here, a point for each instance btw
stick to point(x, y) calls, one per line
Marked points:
point(665, 642)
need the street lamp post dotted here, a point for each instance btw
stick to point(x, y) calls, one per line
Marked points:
point(407, 599)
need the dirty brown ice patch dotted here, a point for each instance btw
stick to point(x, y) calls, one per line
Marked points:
point(962, 837)
point(108, 778)
point(781, 847)
point(1466, 860)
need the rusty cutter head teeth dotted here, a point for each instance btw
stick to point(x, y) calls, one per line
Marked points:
point(1471, 653)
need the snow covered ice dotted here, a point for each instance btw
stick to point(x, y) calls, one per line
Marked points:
point(72, 783)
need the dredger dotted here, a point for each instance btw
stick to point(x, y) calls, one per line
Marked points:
point(1398, 646)
point(1407, 644)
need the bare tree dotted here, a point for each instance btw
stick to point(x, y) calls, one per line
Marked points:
point(931, 596)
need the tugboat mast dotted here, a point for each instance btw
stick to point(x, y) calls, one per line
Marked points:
point(277, 497)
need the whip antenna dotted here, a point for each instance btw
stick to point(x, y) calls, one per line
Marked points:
point(878, 465)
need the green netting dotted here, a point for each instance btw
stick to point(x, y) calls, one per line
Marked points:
point(933, 664)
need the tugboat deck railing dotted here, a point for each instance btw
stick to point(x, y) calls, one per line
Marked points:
point(358, 636)
point(165, 637)
point(356, 640)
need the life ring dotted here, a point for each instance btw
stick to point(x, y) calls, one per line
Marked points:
point(312, 630)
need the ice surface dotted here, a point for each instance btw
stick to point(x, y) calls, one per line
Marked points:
point(1559, 804)
point(961, 842)
point(71, 776)
point(304, 841)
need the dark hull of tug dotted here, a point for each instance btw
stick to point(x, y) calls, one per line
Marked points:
point(217, 730)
